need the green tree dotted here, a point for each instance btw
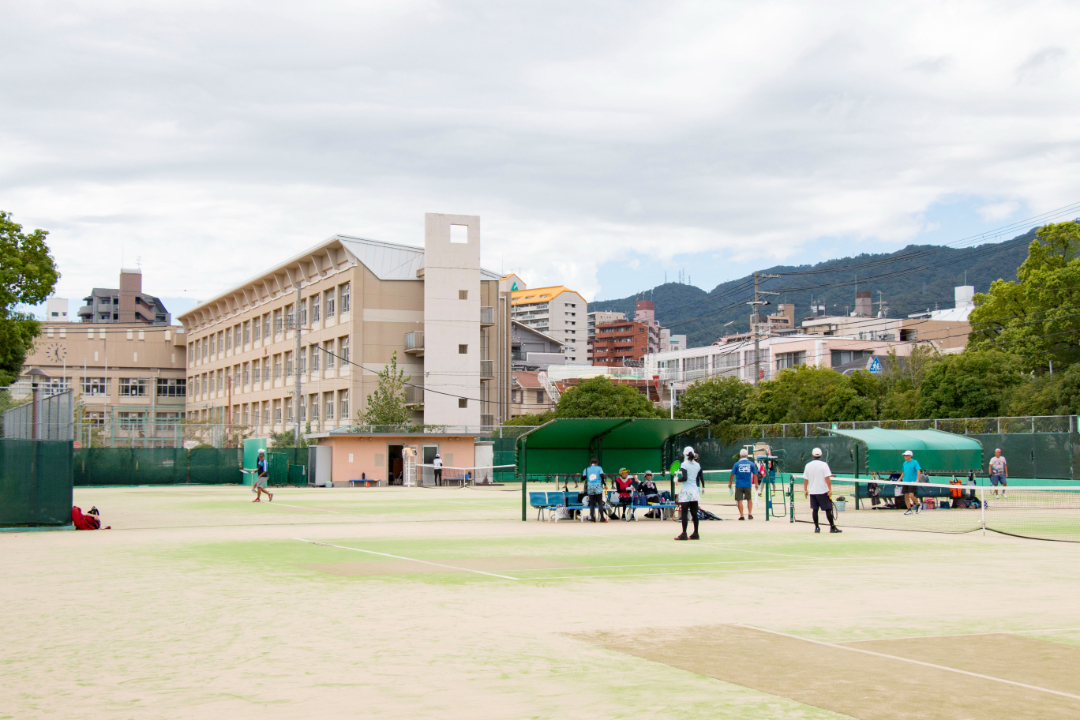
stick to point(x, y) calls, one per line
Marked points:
point(898, 397)
point(598, 397)
point(807, 394)
point(1038, 317)
point(287, 439)
point(1057, 394)
point(386, 406)
point(975, 383)
point(720, 400)
point(531, 420)
point(28, 276)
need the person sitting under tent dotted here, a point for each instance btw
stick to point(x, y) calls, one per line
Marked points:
point(624, 484)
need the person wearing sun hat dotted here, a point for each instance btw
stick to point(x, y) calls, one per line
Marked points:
point(910, 471)
point(624, 484)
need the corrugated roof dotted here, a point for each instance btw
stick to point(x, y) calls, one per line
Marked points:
point(538, 295)
point(387, 261)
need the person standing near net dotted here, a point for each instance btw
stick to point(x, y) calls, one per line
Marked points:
point(436, 465)
point(911, 471)
point(261, 475)
point(690, 492)
point(817, 485)
point(595, 483)
point(744, 474)
point(999, 473)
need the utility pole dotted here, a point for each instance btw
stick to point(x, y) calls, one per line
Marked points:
point(296, 367)
point(755, 319)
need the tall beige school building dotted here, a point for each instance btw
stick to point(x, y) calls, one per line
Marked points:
point(359, 301)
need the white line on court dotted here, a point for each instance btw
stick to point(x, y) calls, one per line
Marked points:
point(914, 662)
point(399, 557)
point(931, 637)
point(308, 508)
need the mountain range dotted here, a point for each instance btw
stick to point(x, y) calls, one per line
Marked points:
point(914, 279)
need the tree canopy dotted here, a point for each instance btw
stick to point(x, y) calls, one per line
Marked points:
point(28, 276)
point(1036, 318)
point(598, 397)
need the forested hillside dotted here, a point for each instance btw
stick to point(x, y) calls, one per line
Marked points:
point(916, 278)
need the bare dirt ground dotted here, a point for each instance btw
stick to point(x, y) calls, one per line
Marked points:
point(200, 603)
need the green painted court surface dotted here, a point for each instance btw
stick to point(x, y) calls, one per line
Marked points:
point(443, 604)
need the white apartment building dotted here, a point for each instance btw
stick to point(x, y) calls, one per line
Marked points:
point(557, 312)
point(356, 302)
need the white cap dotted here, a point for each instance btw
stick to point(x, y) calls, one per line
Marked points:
point(816, 452)
point(743, 453)
point(648, 472)
point(997, 449)
point(687, 450)
point(261, 451)
point(908, 452)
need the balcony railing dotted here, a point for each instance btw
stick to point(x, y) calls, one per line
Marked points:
point(414, 340)
point(487, 369)
point(487, 315)
point(414, 395)
point(487, 420)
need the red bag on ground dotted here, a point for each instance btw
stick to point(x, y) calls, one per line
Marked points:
point(84, 522)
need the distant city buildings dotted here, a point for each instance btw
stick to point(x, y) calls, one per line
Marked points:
point(842, 342)
point(556, 311)
point(599, 317)
point(126, 304)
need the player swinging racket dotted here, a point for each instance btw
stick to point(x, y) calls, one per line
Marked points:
point(817, 485)
point(260, 478)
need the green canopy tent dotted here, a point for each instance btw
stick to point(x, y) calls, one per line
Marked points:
point(882, 451)
point(565, 446)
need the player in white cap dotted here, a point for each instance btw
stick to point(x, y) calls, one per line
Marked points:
point(911, 471)
point(817, 485)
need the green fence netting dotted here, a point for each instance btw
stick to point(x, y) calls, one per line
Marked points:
point(35, 482)
point(167, 466)
point(1052, 456)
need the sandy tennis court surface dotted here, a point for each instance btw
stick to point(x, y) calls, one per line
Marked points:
point(443, 604)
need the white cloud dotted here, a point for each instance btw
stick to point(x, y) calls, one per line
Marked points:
point(999, 211)
point(214, 138)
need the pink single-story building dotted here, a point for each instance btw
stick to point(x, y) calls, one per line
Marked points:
point(357, 455)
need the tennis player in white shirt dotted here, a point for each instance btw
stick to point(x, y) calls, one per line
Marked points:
point(817, 484)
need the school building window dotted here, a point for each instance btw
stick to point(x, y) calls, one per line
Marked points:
point(171, 387)
point(132, 387)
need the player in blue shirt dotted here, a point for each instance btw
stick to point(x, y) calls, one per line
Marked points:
point(743, 474)
point(911, 471)
point(595, 483)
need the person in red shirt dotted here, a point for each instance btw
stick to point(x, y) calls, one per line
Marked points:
point(624, 484)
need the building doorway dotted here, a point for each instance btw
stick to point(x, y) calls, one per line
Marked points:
point(428, 473)
point(395, 466)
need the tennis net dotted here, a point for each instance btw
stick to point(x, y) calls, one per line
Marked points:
point(459, 476)
point(1042, 512)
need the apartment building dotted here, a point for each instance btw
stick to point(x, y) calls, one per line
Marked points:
point(130, 372)
point(669, 342)
point(645, 313)
point(620, 343)
point(528, 395)
point(533, 350)
point(594, 318)
point(126, 304)
point(355, 303)
point(555, 311)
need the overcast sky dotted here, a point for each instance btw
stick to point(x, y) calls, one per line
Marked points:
point(602, 143)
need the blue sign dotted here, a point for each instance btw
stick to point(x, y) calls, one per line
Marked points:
point(875, 366)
